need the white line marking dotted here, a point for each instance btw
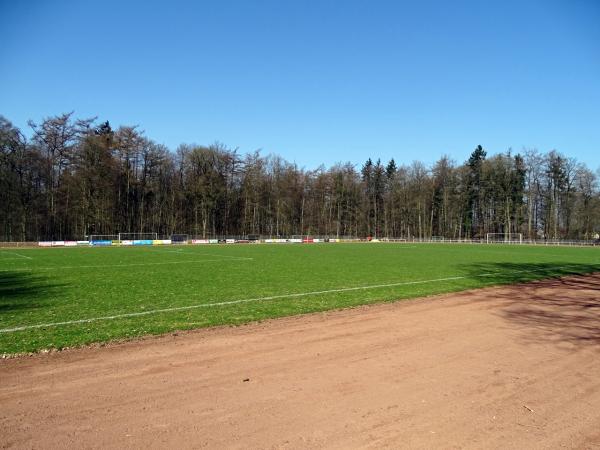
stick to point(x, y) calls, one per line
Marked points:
point(230, 302)
point(243, 258)
point(182, 251)
point(117, 265)
point(14, 253)
point(258, 299)
point(163, 251)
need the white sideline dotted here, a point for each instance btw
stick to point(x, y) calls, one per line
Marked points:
point(243, 258)
point(231, 302)
point(182, 251)
point(124, 265)
point(14, 253)
point(258, 299)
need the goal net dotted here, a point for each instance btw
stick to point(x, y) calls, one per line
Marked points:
point(138, 236)
point(504, 238)
point(179, 238)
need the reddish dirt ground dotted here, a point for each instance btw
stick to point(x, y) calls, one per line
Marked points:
point(509, 367)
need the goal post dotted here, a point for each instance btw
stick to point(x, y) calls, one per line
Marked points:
point(137, 236)
point(504, 238)
point(179, 238)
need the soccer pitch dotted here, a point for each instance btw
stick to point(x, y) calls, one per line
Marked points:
point(56, 298)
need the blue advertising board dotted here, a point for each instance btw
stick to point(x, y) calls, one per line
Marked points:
point(142, 242)
point(102, 242)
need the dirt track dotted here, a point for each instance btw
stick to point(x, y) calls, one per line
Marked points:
point(513, 367)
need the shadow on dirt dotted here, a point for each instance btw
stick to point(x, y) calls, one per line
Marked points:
point(24, 290)
point(560, 310)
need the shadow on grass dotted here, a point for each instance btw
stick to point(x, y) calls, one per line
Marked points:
point(564, 309)
point(24, 290)
point(509, 272)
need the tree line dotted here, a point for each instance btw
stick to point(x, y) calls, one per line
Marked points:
point(74, 177)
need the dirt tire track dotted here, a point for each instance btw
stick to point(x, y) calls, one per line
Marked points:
point(509, 367)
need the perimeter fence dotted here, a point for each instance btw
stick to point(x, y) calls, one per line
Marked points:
point(294, 239)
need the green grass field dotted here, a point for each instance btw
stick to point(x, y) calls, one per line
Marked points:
point(63, 297)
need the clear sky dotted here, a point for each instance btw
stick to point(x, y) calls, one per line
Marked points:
point(315, 81)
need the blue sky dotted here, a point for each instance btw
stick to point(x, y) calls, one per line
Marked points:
point(315, 81)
